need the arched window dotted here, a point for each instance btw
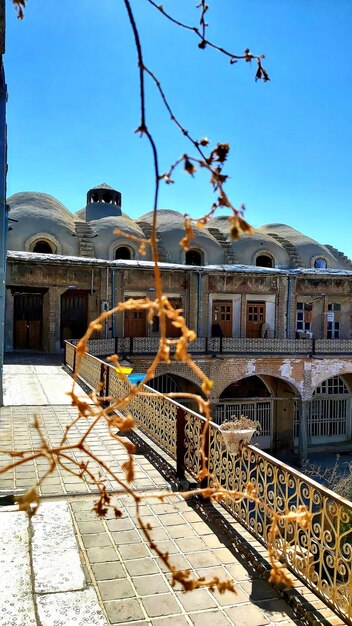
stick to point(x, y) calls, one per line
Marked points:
point(264, 260)
point(42, 247)
point(194, 257)
point(107, 197)
point(320, 263)
point(334, 386)
point(122, 253)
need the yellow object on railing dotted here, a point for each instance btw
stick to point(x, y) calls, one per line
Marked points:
point(122, 370)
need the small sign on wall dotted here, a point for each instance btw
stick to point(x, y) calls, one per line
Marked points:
point(330, 316)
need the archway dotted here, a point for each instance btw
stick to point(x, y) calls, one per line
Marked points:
point(269, 400)
point(42, 247)
point(329, 412)
point(171, 383)
point(123, 253)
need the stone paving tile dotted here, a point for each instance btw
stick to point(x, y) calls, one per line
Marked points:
point(134, 551)
point(123, 611)
point(246, 615)
point(141, 567)
point(101, 555)
point(276, 610)
point(97, 541)
point(147, 585)
point(177, 620)
point(198, 600)
point(259, 590)
point(116, 589)
point(157, 606)
point(202, 559)
point(209, 618)
point(108, 571)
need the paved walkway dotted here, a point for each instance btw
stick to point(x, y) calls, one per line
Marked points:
point(66, 566)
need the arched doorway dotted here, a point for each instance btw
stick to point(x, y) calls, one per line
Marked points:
point(171, 383)
point(266, 399)
point(329, 412)
point(250, 397)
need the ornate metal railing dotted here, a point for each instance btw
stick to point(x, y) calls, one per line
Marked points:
point(227, 345)
point(321, 555)
point(332, 346)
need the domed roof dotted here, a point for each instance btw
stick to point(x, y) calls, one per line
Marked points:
point(247, 248)
point(39, 215)
point(171, 229)
point(107, 241)
point(307, 249)
point(41, 205)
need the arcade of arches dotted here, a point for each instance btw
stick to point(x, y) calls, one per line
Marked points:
point(285, 419)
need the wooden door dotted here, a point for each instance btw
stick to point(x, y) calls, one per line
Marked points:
point(256, 317)
point(222, 318)
point(135, 323)
point(74, 314)
point(171, 330)
point(28, 317)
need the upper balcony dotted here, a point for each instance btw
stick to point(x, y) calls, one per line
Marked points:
point(226, 346)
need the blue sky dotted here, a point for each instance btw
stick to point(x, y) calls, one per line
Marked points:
point(73, 106)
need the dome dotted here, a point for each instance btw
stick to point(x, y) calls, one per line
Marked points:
point(170, 227)
point(248, 248)
point(106, 243)
point(41, 217)
point(307, 249)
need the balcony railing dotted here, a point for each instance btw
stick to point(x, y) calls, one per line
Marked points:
point(321, 555)
point(139, 346)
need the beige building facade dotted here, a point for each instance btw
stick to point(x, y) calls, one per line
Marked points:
point(272, 312)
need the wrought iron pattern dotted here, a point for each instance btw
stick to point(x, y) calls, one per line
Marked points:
point(322, 554)
point(101, 346)
point(192, 442)
point(154, 415)
point(69, 354)
point(117, 388)
point(89, 370)
point(227, 345)
point(198, 345)
point(145, 345)
point(333, 346)
point(235, 345)
point(157, 418)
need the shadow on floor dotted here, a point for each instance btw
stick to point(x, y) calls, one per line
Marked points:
point(29, 357)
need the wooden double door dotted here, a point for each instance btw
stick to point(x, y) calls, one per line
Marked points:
point(74, 314)
point(28, 321)
point(222, 318)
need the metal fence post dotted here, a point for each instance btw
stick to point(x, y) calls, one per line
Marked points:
point(180, 443)
point(74, 358)
point(102, 380)
point(205, 482)
point(107, 380)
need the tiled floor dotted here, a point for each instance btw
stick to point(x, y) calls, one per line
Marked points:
point(131, 582)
